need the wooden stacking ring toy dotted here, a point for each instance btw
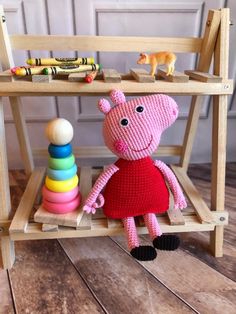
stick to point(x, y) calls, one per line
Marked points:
point(60, 151)
point(61, 186)
point(61, 175)
point(59, 131)
point(59, 208)
point(55, 197)
point(61, 163)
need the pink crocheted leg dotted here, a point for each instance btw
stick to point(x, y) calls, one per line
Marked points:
point(131, 232)
point(152, 225)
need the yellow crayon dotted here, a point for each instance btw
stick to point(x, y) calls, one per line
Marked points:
point(67, 69)
point(23, 71)
point(60, 61)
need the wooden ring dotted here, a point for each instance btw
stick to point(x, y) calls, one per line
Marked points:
point(55, 197)
point(61, 175)
point(59, 208)
point(60, 151)
point(61, 163)
point(61, 186)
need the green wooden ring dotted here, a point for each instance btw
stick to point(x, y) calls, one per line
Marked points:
point(61, 163)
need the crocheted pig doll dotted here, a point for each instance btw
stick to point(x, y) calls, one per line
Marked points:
point(135, 184)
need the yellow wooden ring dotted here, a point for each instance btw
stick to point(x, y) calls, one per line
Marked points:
point(61, 186)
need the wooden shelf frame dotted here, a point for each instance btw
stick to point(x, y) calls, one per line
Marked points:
point(129, 87)
point(215, 42)
point(22, 228)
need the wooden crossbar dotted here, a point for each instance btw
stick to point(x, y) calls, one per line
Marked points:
point(104, 43)
point(104, 152)
point(131, 87)
point(102, 227)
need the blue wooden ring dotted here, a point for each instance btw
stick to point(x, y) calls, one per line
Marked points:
point(61, 163)
point(61, 175)
point(60, 151)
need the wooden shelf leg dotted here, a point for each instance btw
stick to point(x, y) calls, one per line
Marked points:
point(7, 246)
point(22, 134)
point(8, 252)
point(209, 40)
point(219, 129)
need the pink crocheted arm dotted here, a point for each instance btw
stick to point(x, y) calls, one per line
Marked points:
point(179, 199)
point(91, 202)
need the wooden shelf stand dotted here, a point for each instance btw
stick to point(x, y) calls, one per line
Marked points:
point(215, 43)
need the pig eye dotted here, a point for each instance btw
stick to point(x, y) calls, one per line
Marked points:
point(139, 109)
point(124, 122)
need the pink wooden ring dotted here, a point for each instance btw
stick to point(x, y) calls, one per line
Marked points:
point(56, 197)
point(62, 208)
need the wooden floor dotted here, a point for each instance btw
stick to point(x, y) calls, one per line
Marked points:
point(97, 275)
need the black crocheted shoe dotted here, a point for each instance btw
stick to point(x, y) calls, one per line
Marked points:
point(144, 253)
point(166, 242)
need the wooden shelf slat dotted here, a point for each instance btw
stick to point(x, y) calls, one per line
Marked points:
point(129, 87)
point(21, 217)
point(175, 216)
point(203, 77)
point(176, 77)
point(70, 219)
point(104, 152)
point(202, 210)
point(85, 188)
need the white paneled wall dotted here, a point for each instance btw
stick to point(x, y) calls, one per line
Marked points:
point(122, 18)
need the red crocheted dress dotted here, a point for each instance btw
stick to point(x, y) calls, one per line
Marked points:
point(137, 188)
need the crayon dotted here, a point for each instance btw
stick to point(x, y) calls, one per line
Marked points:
point(13, 70)
point(90, 77)
point(67, 69)
point(23, 71)
point(59, 61)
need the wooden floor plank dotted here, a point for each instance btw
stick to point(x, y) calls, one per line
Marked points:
point(197, 244)
point(117, 280)
point(6, 303)
point(44, 281)
point(201, 286)
point(229, 230)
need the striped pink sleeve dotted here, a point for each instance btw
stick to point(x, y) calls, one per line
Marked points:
point(179, 199)
point(90, 203)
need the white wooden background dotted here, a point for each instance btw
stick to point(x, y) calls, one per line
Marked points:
point(122, 18)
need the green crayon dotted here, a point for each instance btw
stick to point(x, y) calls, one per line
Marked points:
point(59, 61)
point(67, 69)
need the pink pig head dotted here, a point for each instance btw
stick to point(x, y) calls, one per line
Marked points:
point(132, 129)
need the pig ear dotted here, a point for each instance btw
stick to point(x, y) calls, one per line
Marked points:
point(104, 105)
point(117, 97)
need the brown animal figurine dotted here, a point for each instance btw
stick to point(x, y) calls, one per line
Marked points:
point(159, 58)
